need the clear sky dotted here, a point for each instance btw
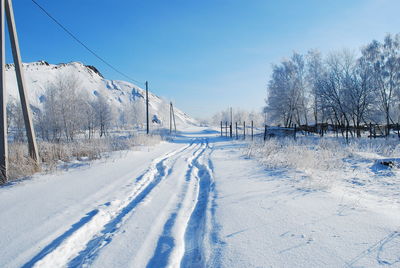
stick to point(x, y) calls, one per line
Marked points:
point(205, 55)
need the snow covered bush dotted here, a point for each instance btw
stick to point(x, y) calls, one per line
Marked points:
point(319, 163)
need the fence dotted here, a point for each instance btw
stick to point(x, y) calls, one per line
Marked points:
point(346, 131)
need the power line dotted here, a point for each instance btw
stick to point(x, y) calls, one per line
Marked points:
point(83, 44)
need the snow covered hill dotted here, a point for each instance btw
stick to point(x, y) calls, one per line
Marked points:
point(40, 75)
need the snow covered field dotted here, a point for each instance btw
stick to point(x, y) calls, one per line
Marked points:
point(205, 201)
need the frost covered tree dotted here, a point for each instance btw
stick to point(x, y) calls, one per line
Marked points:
point(104, 114)
point(287, 101)
point(342, 88)
point(134, 113)
point(383, 59)
point(15, 120)
point(314, 76)
point(63, 108)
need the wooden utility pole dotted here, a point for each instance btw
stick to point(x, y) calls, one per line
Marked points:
point(8, 13)
point(170, 118)
point(173, 116)
point(3, 101)
point(231, 116)
point(147, 108)
point(252, 132)
point(244, 130)
point(231, 125)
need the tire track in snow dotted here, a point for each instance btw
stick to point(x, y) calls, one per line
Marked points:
point(170, 245)
point(82, 241)
point(194, 254)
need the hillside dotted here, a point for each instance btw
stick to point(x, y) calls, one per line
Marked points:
point(40, 75)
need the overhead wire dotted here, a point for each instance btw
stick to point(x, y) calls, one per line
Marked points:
point(73, 36)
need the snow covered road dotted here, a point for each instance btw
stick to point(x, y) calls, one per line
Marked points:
point(193, 202)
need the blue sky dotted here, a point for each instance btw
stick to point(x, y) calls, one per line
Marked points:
point(204, 55)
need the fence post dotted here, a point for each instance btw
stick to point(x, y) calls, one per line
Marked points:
point(230, 130)
point(244, 130)
point(265, 132)
point(294, 132)
point(370, 130)
point(347, 132)
point(252, 133)
point(236, 130)
point(226, 128)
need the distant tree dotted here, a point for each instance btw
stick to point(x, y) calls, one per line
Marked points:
point(104, 114)
point(287, 102)
point(383, 59)
point(315, 72)
point(64, 107)
point(15, 121)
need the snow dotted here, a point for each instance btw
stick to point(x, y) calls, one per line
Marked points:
point(40, 75)
point(201, 200)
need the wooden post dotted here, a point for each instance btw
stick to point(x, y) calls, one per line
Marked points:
point(173, 117)
point(7, 12)
point(170, 118)
point(230, 130)
point(265, 132)
point(26, 111)
point(231, 116)
point(295, 129)
point(244, 130)
point(347, 132)
point(374, 132)
point(236, 130)
point(3, 102)
point(337, 130)
point(221, 129)
point(226, 128)
point(252, 133)
point(370, 130)
point(147, 108)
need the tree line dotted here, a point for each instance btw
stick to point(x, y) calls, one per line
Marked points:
point(344, 88)
point(68, 112)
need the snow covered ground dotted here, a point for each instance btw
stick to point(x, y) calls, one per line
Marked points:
point(200, 201)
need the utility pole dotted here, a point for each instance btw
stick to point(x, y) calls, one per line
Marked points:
point(8, 13)
point(231, 126)
point(231, 116)
point(252, 132)
point(244, 130)
point(173, 116)
point(147, 108)
point(3, 101)
point(170, 118)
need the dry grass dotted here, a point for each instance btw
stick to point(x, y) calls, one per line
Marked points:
point(51, 154)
